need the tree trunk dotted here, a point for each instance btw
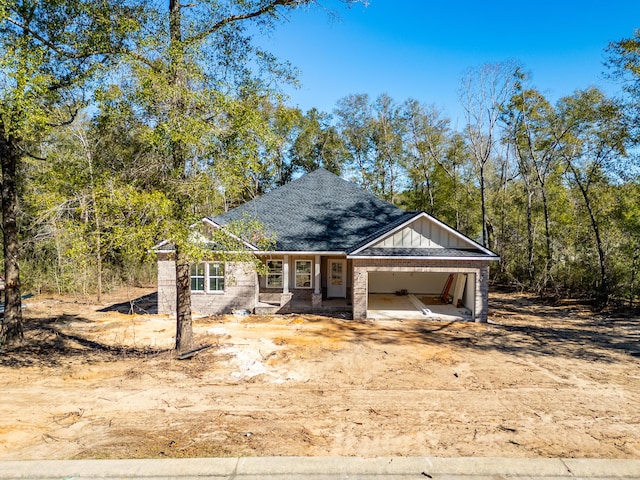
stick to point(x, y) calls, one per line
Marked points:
point(530, 238)
point(547, 234)
point(12, 326)
point(601, 294)
point(632, 281)
point(98, 262)
point(184, 327)
point(483, 206)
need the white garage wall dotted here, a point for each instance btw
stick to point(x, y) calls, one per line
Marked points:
point(413, 282)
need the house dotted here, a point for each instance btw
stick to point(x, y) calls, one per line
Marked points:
point(337, 247)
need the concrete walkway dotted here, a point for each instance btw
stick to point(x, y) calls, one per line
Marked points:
point(323, 468)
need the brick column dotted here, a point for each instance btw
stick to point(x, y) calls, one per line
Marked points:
point(482, 295)
point(359, 291)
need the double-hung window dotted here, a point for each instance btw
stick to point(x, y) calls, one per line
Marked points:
point(275, 274)
point(216, 277)
point(197, 277)
point(303, 273)
point(207, 277)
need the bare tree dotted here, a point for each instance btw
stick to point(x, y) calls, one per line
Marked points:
point(484, 90)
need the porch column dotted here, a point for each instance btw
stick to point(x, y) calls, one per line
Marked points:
point(285, 274)
point(285, 298)
point(316, 298)
point(317, 280)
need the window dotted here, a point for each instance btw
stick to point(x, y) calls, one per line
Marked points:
point(216, 277)
point(303, 273)
point(207, 277)
point(197, 277)
point(274, 276)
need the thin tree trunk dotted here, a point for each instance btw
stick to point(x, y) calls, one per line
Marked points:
point(98, 223)
point(602, 294)
point(483, 206)
point(12, 325)
point(98, 260)
point(547, 234)
point(632, 282)
point(530, 237)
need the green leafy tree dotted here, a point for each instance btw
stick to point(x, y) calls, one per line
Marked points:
point(373, 134)
point(596, 141)
point(627, 216)
point(48, 51)
point(535, 136)
point(355, 124)
point(317, 144)
point(388, 137)
point(438, 167)
point(87, 209)
point(193, 77)
point(623, 62)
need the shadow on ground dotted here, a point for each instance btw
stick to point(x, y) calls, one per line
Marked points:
point(145, 305)
point(46, 345)
point(521, 326)
point(524, 326)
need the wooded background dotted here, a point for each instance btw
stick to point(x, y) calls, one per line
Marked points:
point(120, 125)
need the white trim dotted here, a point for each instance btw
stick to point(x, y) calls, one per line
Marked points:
point(298, 252)
point(206, 277)
point(453, 231)
point(214, 225)
point(295, 273)
point(285, 274)
point(317, 280)
point(210, 276)
point(161, 244)
point(282, 273)
point(217, 225)
point(404, 257)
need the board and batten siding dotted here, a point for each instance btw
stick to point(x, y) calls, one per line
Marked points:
point(422, 234)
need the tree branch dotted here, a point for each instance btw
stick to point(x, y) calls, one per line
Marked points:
point(270, 7)
point(84, 54)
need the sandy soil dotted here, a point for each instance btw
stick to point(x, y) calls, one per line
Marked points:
point(540, 381)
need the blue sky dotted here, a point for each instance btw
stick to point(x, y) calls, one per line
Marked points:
point(419, 49)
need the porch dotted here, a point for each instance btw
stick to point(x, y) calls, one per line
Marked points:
point(305, 283)
point(331, 306)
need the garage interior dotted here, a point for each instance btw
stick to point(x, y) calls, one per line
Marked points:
point(421, 295)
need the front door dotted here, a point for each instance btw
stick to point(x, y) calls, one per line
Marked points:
point(337, 279)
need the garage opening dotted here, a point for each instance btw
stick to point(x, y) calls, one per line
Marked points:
point(425, 295)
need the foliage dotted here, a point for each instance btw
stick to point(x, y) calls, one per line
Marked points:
point(187, 124)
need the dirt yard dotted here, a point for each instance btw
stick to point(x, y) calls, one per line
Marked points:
point(541, 380)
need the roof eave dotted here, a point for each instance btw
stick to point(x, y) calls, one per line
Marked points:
point(421, 257)
point(451, 230)
point(300, 252)
point(214, 224)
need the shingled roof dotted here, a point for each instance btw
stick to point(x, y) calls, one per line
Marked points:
point(320, 212)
